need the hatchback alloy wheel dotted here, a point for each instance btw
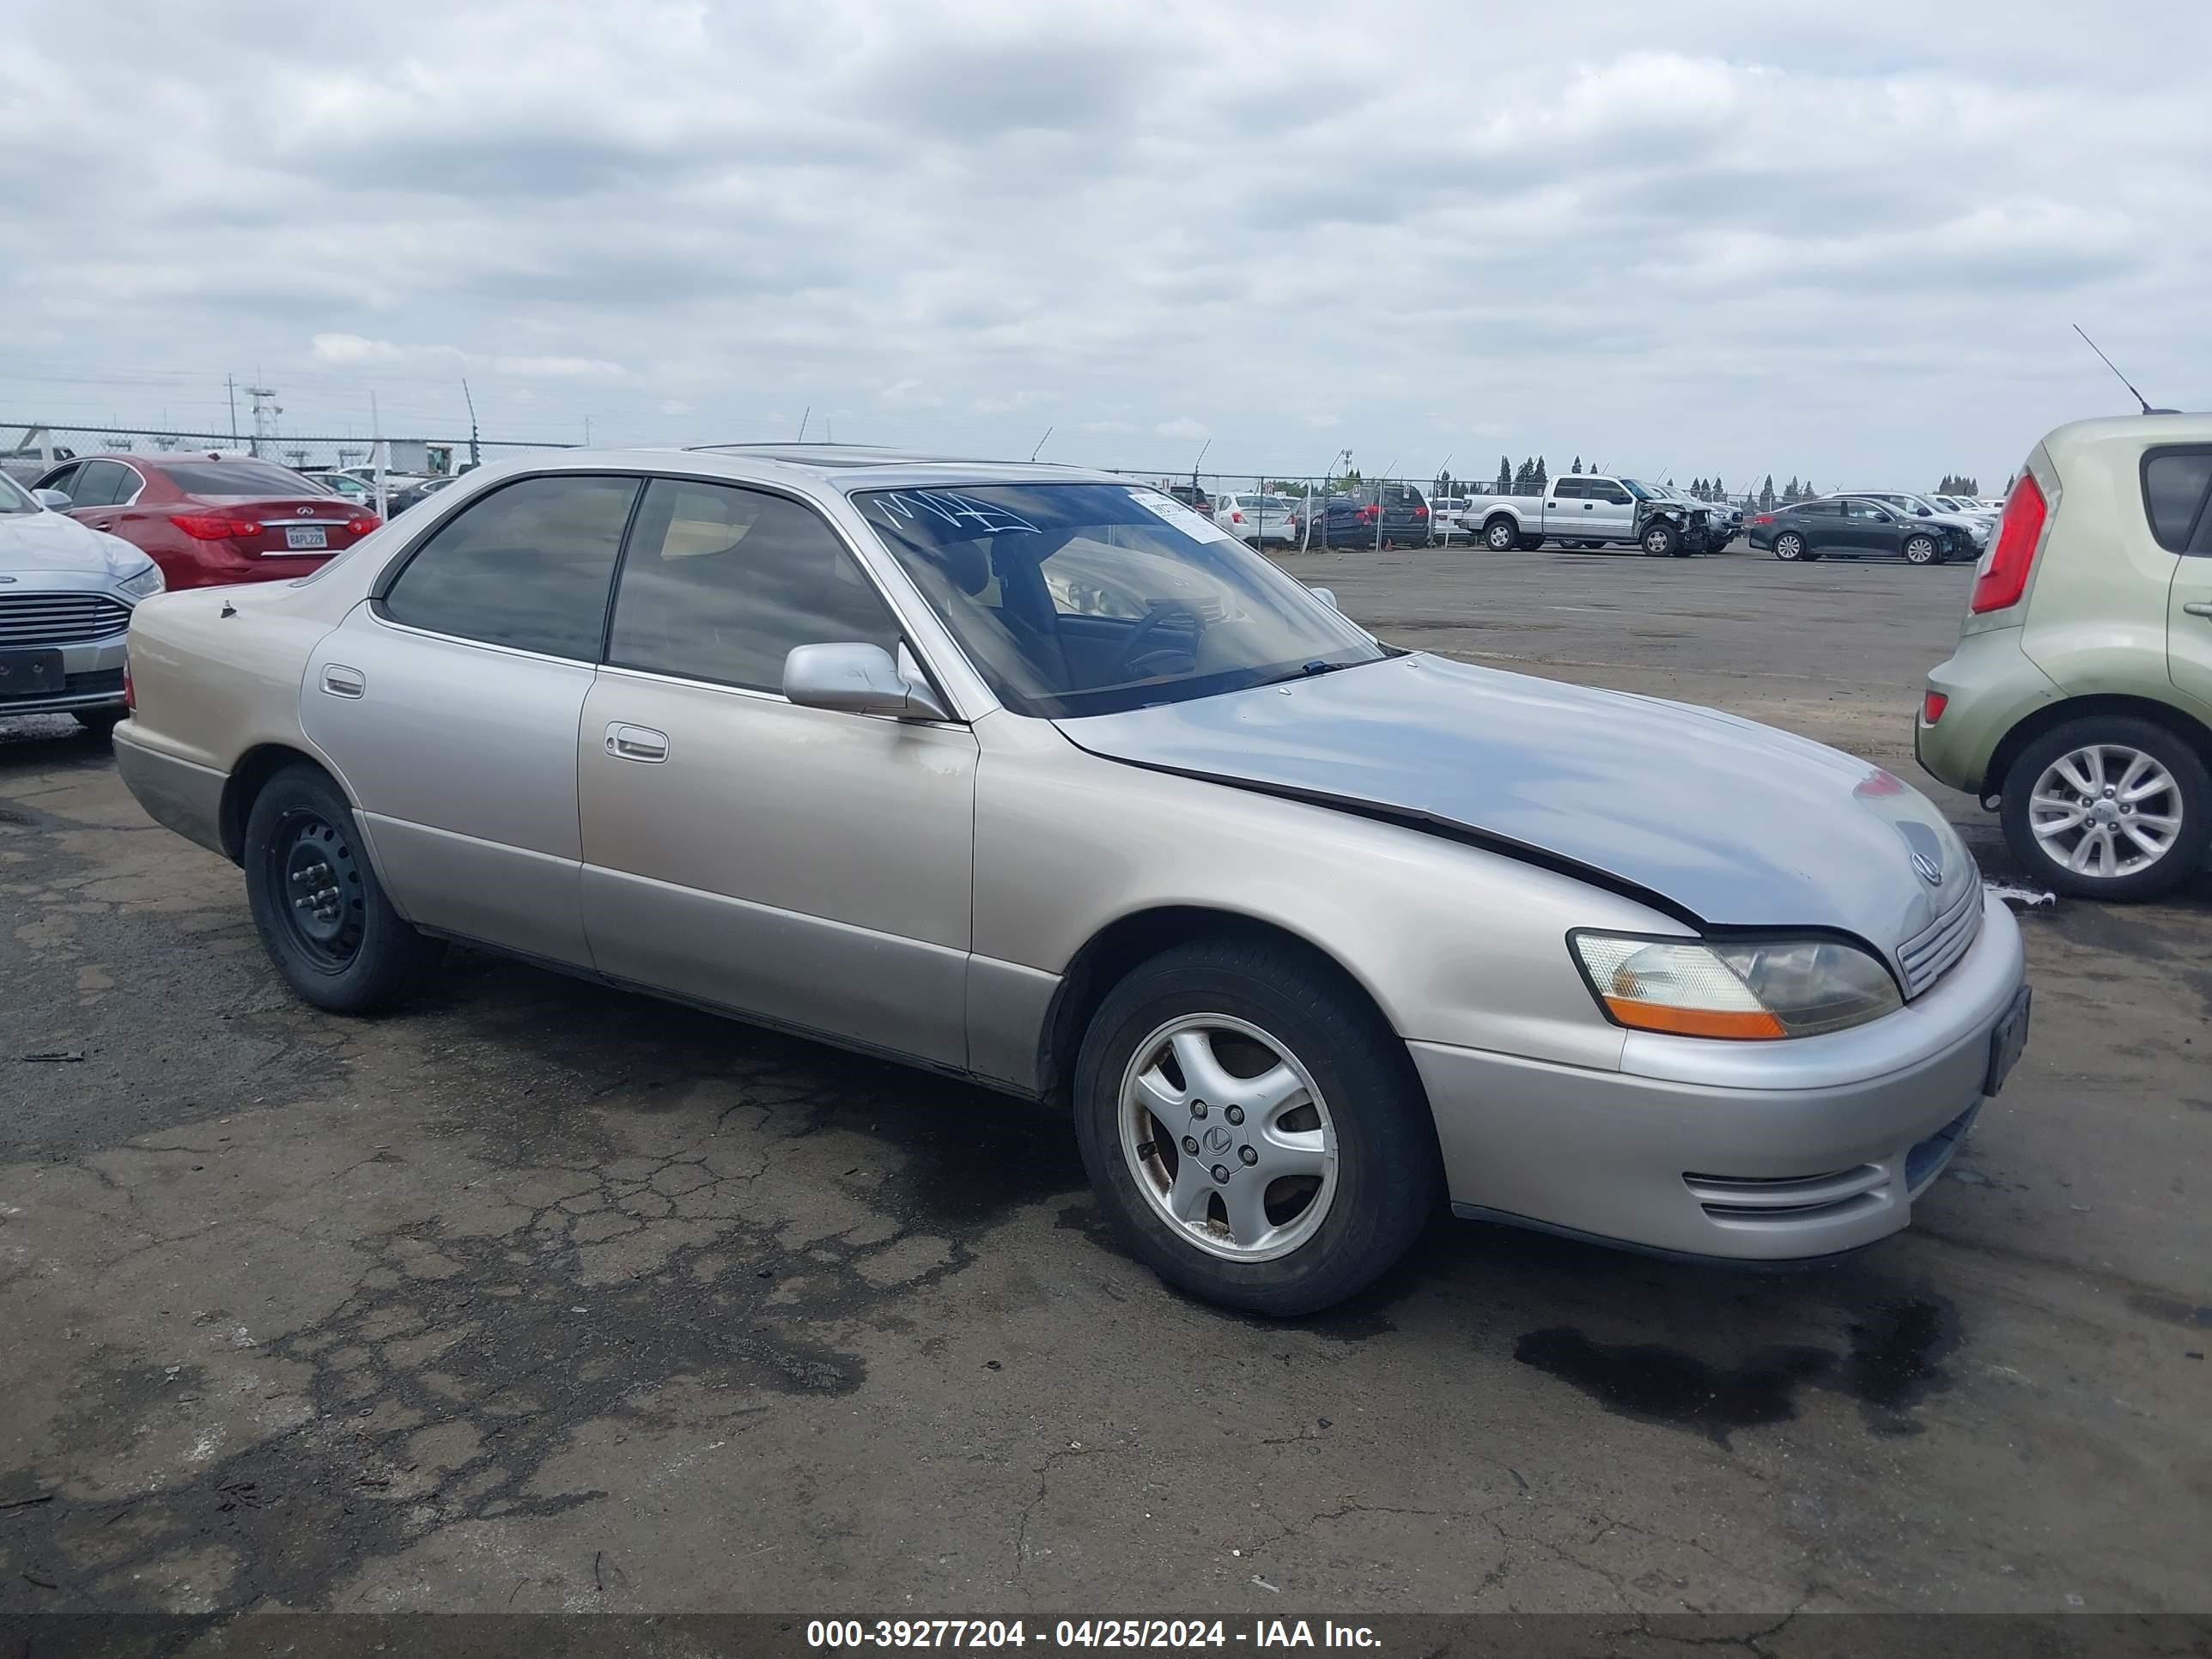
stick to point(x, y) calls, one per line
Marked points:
point(1227, 1137)
point(2106, 811)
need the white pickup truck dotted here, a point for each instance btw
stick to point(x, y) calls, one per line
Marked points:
point(1585, 509)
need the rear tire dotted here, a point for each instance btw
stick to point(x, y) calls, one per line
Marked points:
point(2042, 847)
point(1789, 547)
point(318, 905)
point(1315, 1244)
point(1502, 535)
point(1530, 543)
point(100, 722)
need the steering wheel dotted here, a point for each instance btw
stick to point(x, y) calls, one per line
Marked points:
point(1127, 659)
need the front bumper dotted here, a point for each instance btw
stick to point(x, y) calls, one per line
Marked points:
point(1755, 1151)
point(92, 671)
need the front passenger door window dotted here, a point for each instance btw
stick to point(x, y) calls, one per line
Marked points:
point(722, 584)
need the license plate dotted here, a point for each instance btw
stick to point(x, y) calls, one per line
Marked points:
point(306, 535)
point(2006, 1043)
point(31, 673)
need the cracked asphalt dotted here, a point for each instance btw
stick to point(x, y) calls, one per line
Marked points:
point(540, 1298)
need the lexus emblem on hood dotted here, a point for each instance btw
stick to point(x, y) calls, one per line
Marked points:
point(1926, 851)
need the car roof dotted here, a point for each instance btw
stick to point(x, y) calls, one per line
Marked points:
point(842, 467)
point(2146, 430)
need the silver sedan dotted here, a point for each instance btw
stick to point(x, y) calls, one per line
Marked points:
point(1037, 778)
point(66, 593)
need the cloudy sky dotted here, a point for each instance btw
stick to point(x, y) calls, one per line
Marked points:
point(1842, 241)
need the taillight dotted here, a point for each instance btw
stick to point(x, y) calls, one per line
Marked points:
point(130, 697)
point(1235, 517)
point(215, 527)
point(362, 523)
point(1932, 707)
point(2004, 575)
point(1764, 517)
point(1421, 512)
point(1366, 514)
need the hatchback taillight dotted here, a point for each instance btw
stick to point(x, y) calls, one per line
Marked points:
point(1421, 512)
point(130, 696)
point(2004, 576)
point(214, 526)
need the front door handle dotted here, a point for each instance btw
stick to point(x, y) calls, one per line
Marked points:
point(2198, 608)
point(637, 743)
point(342, 682)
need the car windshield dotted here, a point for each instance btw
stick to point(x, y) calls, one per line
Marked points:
point(1089, 598)
point(1643, 492)
point(13, 498)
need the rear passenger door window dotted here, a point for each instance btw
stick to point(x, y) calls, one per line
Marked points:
point(2176, 484)
point(721, 583)
point(101, 484)
point(527, 566)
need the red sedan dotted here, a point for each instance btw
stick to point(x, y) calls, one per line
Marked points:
point(209, 521)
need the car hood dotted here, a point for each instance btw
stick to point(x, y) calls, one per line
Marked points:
point(38, 542)
point(1728, 823)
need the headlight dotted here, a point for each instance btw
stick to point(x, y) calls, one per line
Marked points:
point(139, 584)
point(1744, 989)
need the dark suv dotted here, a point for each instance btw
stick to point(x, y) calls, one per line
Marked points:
point(1376, 514)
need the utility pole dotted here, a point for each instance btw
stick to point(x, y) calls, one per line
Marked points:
point(587, 432)
point(475, 450)
point(376, 455)
point(1380, 484)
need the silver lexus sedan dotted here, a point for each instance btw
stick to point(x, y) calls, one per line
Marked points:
point(1035, 777)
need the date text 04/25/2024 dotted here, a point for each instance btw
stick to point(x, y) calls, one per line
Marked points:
point(1168, 1633)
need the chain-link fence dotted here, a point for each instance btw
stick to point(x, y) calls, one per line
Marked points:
point(28, 451)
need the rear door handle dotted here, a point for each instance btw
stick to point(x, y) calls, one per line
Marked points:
point(637, 743)
point(2198, 609)
point(342, 682)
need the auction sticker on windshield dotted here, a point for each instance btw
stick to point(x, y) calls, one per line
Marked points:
point(1196, 525)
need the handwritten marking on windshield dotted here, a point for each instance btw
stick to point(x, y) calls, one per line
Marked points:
point(956, 511)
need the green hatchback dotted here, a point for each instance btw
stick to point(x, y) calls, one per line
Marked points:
point(2079, 700)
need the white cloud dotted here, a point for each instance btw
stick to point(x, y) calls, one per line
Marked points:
point(1722, 235)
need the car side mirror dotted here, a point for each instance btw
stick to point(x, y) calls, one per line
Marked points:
point(53, 498)
point(857, 679)
point(1923, 512)
point(1327, 596)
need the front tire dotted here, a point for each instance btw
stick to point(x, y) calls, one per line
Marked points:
point(2109, 807)
point(1922, 549)
point(318, 905)
point(1255, 1131)
point(1662, 541)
